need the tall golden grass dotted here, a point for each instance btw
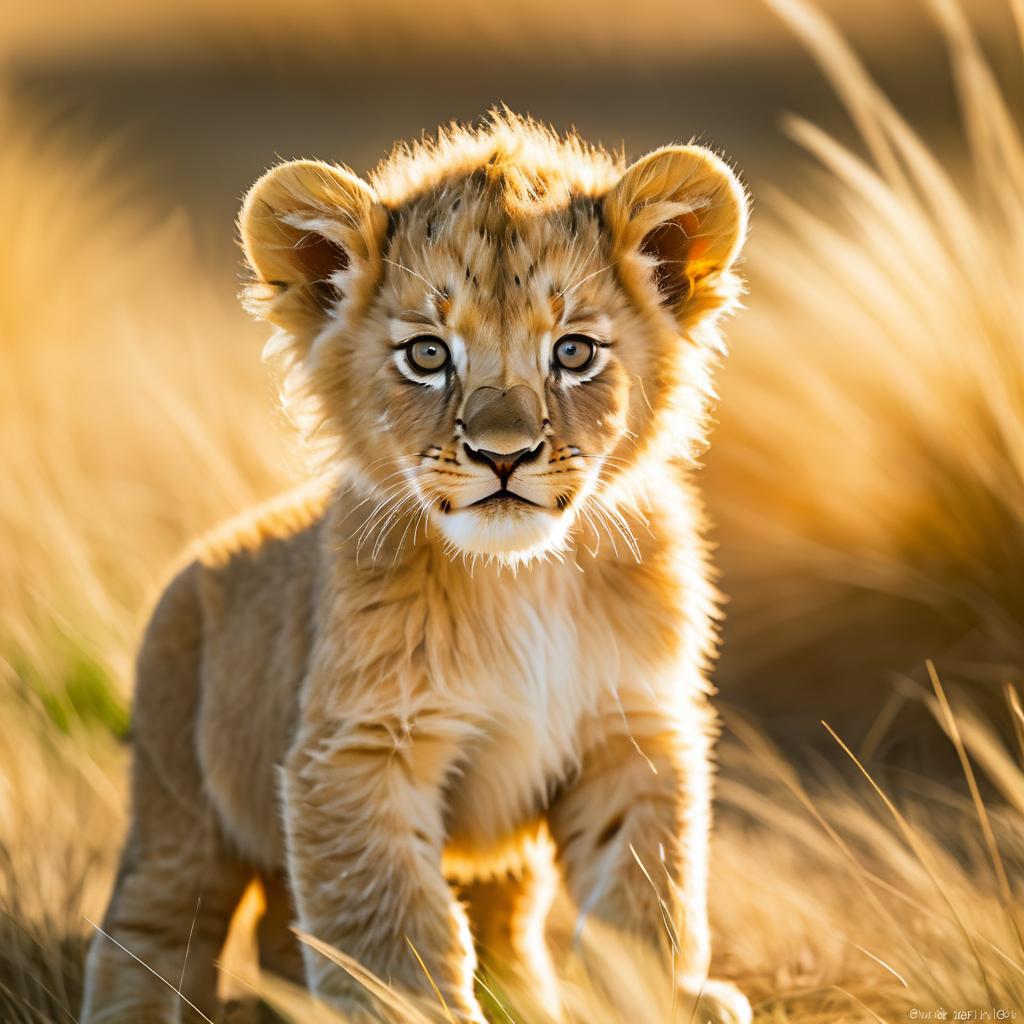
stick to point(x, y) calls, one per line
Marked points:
point(868, 473)
point(121, 433)
point(831, 905)
point(870, 443)
point(133, 409)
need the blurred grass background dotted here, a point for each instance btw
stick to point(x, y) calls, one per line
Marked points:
point(865, 481)
point(140, 126)
point(201, 96)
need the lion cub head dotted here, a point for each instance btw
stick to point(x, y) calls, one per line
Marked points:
point(502, 330)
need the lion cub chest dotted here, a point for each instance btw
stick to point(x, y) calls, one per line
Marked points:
point(527, 680)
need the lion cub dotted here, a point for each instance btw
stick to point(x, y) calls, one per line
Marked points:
point(497, 619)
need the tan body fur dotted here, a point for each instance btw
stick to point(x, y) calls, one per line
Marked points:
point(380, 687)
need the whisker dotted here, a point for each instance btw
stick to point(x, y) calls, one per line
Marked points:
point(389, 525)
point(388, 517)
point(601, 517)
point(379, 512)
point(583, 281)
point(383, 498)
point(401, 266)
point(398, 493)
point(623, 527)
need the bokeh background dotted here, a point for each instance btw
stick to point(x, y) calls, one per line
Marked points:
point(865, 482)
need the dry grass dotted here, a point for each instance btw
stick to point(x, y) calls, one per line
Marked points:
point(116, 444)
point(828, 908)
point(133, 409)
point(868, 473)
point(883, 349)
point(832, 904)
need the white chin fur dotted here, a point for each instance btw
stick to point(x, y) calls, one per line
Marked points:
point(512, 538)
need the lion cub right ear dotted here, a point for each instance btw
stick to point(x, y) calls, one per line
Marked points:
point(678, 219)
point(312, 234)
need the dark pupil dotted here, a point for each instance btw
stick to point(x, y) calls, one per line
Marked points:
point(430, 351)
point(570, 350)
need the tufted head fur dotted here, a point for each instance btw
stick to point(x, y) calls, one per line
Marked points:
point(503, 328)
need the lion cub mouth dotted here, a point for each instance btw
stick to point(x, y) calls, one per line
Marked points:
point(503, 499)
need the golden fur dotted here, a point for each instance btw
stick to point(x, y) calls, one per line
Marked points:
point(382, 686)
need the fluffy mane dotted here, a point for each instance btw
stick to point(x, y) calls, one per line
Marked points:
point(530, 158)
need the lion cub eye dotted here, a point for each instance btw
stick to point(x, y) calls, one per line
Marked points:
point(427, 354)
point(574, 352)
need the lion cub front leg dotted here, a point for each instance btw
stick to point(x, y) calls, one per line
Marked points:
point(632, 833)
point(364, 822)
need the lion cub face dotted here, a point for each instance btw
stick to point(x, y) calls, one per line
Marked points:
point(503, 329)
point(499, 332)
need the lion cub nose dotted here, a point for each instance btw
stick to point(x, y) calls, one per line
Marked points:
point(503, 428)
point(503, 421)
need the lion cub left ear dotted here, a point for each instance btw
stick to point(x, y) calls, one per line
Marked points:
point(678, 219)
point(312, 234)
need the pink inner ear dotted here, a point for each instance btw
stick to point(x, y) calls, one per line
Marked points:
point(677, 246)
point(319, 258)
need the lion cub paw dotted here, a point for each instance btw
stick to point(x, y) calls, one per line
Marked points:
point(718, 1002)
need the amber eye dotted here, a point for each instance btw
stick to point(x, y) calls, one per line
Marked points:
point(574, 352)
point(427, 354)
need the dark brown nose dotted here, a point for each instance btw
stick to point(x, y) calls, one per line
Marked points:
point(504, 465)
point(503, 422)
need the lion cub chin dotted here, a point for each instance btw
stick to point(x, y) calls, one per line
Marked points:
point(479, 650)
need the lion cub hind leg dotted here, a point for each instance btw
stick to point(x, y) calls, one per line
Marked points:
point(168, 917)
point(178, 884)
